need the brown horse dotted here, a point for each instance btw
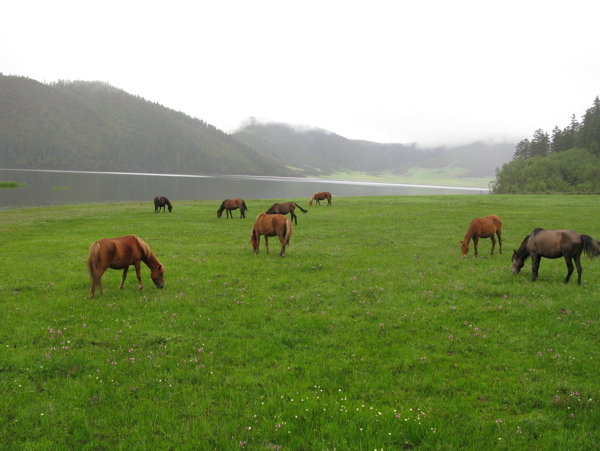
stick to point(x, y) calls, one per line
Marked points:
point(120, 253)
point(232, 204)
point(554, 244)
point(285, 208)
point(482, 228)
point(319, 197)
point(271, 225)
point(161, 202)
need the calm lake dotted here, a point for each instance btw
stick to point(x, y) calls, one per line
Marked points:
point(48, 187)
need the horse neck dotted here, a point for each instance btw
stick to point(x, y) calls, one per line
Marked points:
point(523, 252)
point(150, 260)
point(469, 235)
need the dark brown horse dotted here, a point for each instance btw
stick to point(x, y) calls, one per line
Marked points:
point(285, 208)
point(120, 253)
point(319, 197)
point(271, 225)
point(161, 202)
point(554, 244)
point(482, 228)
point(232, 204)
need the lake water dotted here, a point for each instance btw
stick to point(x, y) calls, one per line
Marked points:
point(48, 187)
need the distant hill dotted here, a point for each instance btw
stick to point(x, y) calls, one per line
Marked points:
point(317, 152)
point(94, 126)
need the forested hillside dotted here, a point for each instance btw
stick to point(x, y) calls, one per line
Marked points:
point(94, 126)
point(317, 152)
point(566, 162)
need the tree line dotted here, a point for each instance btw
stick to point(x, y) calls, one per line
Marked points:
point(568, 161)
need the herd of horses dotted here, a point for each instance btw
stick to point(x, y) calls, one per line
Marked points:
point(539, 243)
point(121, 253)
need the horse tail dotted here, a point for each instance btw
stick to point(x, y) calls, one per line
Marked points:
point(93, 258)
point(301, 209)
point(288, 230)
point(591, 247)
point(244, 208)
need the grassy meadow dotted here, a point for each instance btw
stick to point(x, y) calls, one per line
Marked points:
point(371, 333)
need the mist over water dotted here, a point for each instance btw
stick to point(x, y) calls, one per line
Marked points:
point(50, 187)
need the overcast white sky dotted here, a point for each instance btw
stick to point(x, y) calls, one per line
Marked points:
point(432, 72)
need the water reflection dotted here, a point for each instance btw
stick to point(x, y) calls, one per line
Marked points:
point(48, 187)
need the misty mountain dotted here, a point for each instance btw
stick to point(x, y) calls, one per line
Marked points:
point(317, 152)
point(95, 127)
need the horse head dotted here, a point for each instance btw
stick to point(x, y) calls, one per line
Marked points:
point(254, 237)
point(157, 275)
point(464, 247)
point(517, 263)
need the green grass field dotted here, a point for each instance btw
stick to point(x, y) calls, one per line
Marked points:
point(371, 333)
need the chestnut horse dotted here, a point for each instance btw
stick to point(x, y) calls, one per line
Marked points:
point(554, 244)
point(285, 208)
point(120, 253)
point(161, 202)
point(271, 225)
point(232, 204)
point(482, 228)
point(319, 197)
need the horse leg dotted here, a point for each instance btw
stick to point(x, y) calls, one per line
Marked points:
point(579, 270)
point(96, 282)
point(282, 240)
point(493, 244)
point(535, 266)
point(499, 234)
point(475, 242)
point(124, 276)
point(138, 274)
point(294, 217)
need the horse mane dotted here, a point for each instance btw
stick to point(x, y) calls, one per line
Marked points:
point(522, 252)
point(222, 207)
point(536, 231)
point(148, 254)
point(271, 210)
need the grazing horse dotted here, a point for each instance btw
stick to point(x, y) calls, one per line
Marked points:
point(285, 208)
point(120, 253)
point(271, 225)
point(161, 202)
point(482, 228)
point(232, 204)
point(554, 244)
point(319, 197)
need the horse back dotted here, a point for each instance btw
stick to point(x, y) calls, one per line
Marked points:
point(554, 243)
point(269, 224)
point(485, 227)
point(119, 253)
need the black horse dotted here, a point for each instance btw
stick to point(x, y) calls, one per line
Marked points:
point(162, 202)
point(554, 244)
point(284, 209)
